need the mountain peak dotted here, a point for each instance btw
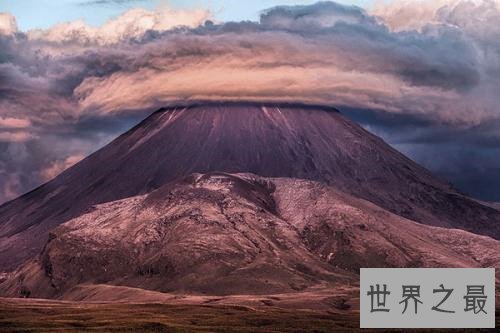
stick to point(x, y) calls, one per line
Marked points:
point(280, 140)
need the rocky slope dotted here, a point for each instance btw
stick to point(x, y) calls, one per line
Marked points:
point(230, 234)
point(269, 140)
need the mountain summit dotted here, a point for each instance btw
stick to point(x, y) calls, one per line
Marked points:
point(293, 141)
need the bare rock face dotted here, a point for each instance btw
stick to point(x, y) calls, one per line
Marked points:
point(238, 234)
point(291, 141)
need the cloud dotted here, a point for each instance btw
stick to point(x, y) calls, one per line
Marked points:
point(132, 24)
point(324, 53)
point(16, 136)
point(409, 15)
point(59, 166)
point(11, 188)
point(109, 2)
point(315, 17)
point(436, 61)
point(417, 14)
point(15, 129)
point(14, 123)
point(8, 25)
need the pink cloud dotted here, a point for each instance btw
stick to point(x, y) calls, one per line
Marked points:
point(8, 25)
point(20, 136)
point(9, 122)
point(59, 166)
point(132, 24)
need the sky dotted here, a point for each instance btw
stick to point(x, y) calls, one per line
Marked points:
point(42, 14)
point(422, 74)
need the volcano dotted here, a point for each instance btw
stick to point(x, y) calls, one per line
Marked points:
point(230, 198)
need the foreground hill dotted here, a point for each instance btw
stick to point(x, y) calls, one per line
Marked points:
point(224, 234)
point(269, 140)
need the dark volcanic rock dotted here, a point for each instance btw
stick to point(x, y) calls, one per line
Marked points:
point(295, 141)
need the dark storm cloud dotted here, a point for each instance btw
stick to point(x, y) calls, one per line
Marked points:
point(315, 17)
point(419, 87)
point(470, 167)
point(468, 157)
point(427, 58)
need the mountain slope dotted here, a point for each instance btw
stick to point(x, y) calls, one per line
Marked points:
point(229, 234)
point(296, 141)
